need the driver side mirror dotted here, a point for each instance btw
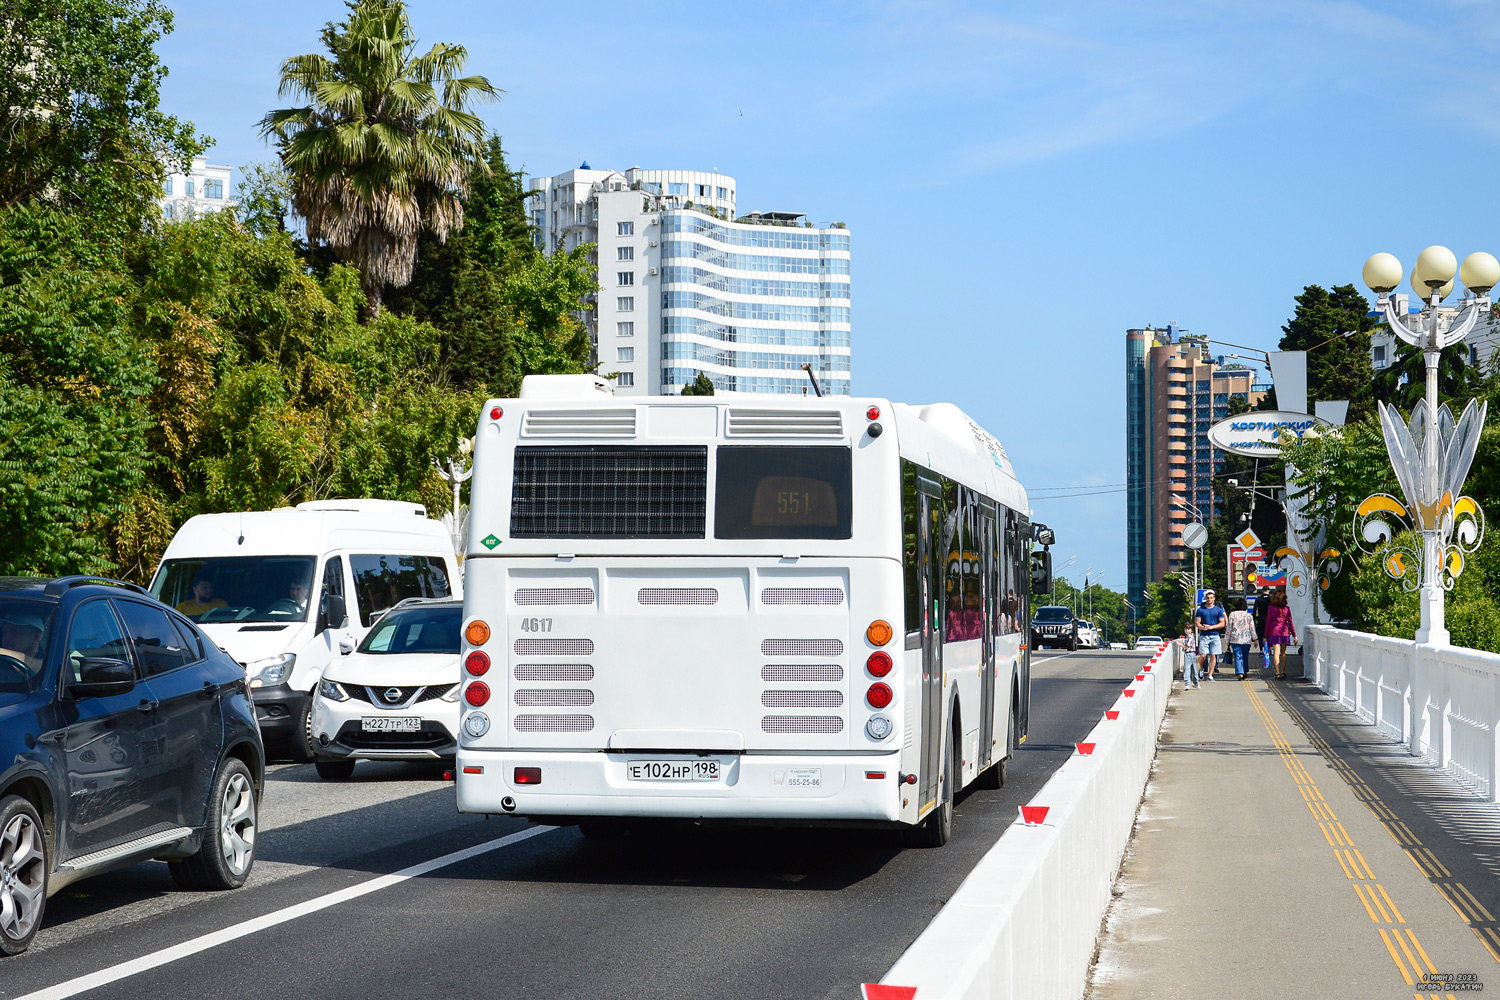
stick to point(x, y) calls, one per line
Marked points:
point(101, 676)
point(334, 614)
point(1041, 572)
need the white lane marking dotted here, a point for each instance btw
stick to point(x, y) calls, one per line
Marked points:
point(145, 963)
point(1048, 659)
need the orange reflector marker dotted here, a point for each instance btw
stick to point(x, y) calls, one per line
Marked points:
point(478, 632)
point(875, 775)
point(879, 633)
point(1112, 714)
point(470, 769)
point(1085, 749)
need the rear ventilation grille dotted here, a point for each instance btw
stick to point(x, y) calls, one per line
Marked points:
point(802, 595)
point(785, 423)
point(802, 724)
point(554, 723)
point(559, 698)
point(802, 647)
point(802, 699)
point(553, 672)
point(786, 673)
point(554, 647)
point(677, 595)
point(555, 595)
point(579, 423)
point(609, 492)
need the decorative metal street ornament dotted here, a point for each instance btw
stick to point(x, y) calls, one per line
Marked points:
point(1302, 559)
point(1430, 452)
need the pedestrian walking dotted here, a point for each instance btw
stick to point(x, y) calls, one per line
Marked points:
point(1262, 608)
point(1241, 635)
point(1281, 632)
point(1211, 621)
point(1190, 659)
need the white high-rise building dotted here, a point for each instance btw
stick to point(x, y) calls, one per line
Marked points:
point(203, 189)
point(688, 287)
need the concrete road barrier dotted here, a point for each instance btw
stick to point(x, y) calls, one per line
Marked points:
point(1023, 925)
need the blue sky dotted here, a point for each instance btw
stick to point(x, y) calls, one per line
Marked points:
point(1021, 185)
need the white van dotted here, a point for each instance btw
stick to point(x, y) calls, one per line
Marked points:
point(285, 591)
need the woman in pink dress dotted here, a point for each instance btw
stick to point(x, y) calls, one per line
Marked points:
point(1280, 632)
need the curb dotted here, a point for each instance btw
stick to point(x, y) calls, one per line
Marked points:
point(1024, 923)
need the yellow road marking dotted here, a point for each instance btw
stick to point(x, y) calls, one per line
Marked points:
point(1396, 958)
point(1420, 950)
point(1364, 864)
point(1477, 904)
point(1392, 904)
point(1347, 872)
point(1359, 890)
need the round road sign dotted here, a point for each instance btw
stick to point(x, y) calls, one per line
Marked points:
point(1194, 535)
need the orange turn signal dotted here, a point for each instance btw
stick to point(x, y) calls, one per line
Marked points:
point(478, 633)
point(879, 633)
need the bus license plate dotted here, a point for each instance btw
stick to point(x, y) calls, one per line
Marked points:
point(672, 770)
point(390, 724)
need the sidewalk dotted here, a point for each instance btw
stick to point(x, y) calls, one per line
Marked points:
point(1283, 849)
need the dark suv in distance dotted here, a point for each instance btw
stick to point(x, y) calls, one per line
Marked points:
point(1053, 625)
point(125, 735)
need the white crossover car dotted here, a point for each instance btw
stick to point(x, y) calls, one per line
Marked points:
point(395, 697)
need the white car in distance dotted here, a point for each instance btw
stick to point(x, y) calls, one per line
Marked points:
point(1088, 635)
point(1150, 643)
point(395, 697)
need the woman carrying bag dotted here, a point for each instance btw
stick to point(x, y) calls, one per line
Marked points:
point(1280, 632)
point(1241, 636)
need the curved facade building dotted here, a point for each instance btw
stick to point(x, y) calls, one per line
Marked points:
point(688, 287)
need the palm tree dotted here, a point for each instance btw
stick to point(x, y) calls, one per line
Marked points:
point(375, 155)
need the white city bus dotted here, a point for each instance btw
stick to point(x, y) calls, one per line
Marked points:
point(779, 610)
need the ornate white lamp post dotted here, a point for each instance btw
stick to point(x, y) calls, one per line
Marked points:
point(457, 520)
point(1430, 452)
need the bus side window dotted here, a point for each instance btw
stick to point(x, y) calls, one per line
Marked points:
point(911, 517)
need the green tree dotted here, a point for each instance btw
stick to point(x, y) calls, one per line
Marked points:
point(700, 386)
point(1339, 368)
point(378, 155)
point(1167, 611)
point(263, 198)
point(505, 310)
point(79, 108)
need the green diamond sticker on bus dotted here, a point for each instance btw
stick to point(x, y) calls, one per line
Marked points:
point(489, 542)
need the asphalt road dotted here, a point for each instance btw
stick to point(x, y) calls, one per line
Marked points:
point(546, 913)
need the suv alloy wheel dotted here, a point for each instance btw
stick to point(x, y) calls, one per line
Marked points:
point(23, 874)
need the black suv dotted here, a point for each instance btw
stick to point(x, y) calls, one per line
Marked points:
point(1053, 625)
point(125, 735)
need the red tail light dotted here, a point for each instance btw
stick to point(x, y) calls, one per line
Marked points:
point(477, 663)
point(873, 413)
point(879, 695)
point(528, 776)
point(496, 413)
point(879, 663)
point(477, 693)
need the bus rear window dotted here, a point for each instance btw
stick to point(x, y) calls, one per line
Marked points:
point(783, 493)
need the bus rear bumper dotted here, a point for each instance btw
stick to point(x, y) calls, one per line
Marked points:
point(749, 787)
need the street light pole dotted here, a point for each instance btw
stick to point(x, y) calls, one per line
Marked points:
point(1430, 452)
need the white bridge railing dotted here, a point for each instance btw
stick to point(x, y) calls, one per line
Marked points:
point(1443, 702)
